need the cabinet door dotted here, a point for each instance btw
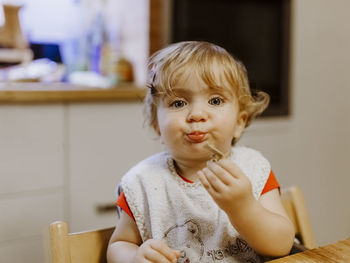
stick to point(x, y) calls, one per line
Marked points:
point(32, 179)
point(31, 147)
point(105, 140)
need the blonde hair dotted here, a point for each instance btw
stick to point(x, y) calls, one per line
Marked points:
point(167, 65)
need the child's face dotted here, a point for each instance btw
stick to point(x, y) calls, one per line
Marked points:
point(196, 115)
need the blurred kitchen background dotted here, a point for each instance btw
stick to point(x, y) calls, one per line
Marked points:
point(76, 41)
point(63, 160)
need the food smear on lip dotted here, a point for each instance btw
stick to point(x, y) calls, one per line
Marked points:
point(196, 136)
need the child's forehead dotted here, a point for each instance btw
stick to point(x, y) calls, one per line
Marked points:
point(190, 81)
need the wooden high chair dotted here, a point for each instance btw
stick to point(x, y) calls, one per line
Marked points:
point(293, 202)
point(91, 246)
point(81, 247)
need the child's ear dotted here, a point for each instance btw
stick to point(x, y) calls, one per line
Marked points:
point(240, 124)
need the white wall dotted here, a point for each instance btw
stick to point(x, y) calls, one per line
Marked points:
point(312, 147)
point(322, 111)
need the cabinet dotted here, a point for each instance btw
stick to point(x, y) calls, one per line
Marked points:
point(105, 140)
point(32, 181)
point(59, 162)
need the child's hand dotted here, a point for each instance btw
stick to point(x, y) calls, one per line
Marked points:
point(227, 184)
point(155, 251)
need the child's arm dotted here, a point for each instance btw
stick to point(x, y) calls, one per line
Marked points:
point(125, 246)
point(264, 224)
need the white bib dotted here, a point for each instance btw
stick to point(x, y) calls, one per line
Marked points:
point(183, 214)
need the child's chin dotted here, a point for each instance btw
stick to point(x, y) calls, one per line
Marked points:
point(204, 157)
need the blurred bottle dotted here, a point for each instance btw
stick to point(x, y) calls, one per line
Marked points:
point(123, 70)
point(104, 46)
point(96, 39)
point(114, 64)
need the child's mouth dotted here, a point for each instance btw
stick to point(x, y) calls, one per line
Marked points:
point(196, 136)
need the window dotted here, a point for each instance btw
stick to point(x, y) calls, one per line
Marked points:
point(254, 31)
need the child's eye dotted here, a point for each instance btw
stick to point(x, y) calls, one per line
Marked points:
point(216, 101)
point(178, 104)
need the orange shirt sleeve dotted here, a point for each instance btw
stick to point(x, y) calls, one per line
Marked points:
point(271, 183)
point(123, 204)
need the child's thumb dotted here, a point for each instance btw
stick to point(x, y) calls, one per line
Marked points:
point(177, 253)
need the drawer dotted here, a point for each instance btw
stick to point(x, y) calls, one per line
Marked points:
point(29, 250)
point(29, 216)
point(32, 148)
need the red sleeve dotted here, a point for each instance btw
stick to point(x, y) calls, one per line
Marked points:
point(123, 204)
point(271, 183)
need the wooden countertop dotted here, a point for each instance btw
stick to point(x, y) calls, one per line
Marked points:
point(36, 92)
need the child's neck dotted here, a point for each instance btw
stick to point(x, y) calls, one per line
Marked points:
point(189, 169)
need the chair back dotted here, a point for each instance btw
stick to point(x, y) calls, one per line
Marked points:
point(91, 246)
point(294, 204)
point(80, 247)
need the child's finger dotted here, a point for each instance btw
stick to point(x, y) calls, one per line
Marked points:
point(222, 174)
point(155, 256)
point(231, 168)
point(177, 253)
point(203, 179)
point(164, 250)
point(213, 180)
point(205, 182)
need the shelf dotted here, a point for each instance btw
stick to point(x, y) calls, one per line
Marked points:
point(62, 92)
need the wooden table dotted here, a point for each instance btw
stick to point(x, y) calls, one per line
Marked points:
point(337, 252)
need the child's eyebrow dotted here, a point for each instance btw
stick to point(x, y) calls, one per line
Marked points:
point(210, 88)
point(217, 88)
point(222, 90)
point(178, 91)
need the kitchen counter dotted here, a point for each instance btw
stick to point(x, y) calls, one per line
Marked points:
point(60, 143)
point(62, 92)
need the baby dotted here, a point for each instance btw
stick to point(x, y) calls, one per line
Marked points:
point(204, 199)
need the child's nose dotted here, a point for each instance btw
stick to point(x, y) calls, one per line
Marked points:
point(197, 114)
